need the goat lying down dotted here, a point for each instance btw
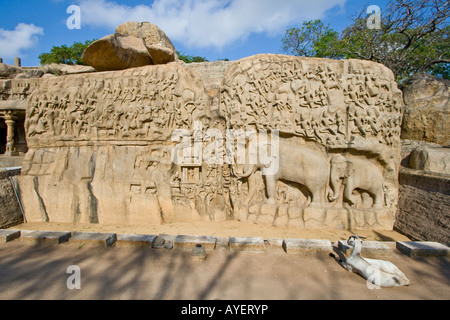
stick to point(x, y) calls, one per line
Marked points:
point(379, 272)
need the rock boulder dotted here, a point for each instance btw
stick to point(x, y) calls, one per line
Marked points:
point(427, 110)
point(157, 42)
point(431, 159)
point(117, 52)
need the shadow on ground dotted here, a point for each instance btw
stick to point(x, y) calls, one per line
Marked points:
point(30, 272)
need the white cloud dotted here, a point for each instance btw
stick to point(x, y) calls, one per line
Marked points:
point(208, 23)
point(24, 36)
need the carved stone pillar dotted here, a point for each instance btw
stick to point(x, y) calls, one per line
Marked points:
point(10, 144)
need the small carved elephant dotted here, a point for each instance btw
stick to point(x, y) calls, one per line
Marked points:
point(355, 174)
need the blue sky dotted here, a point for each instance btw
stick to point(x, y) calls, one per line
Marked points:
point(214, 29)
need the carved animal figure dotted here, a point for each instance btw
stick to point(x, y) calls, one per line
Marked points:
point(380, 272)
point(355, 174)
point(292, 163)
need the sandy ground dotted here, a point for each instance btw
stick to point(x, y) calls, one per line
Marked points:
point(219, 229)
point(30, 272)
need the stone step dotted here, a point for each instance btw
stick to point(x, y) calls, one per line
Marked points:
point(45, 237)
point(369, 248)
point(94, 238)
point(306, 245)
point(247, 244)
point(7, 235)
point(189, 242)
point(164, 241)
point(423, 249)
point(135, 240)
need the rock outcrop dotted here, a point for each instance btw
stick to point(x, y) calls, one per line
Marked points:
point(12, 72)
point(427, 113)
point(135, 44)
point(431, 159)
point(117, 52)
point(65, 69)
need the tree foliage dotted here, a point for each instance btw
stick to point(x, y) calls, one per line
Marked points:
point(413, 37)
point(190, 59)
point(65, 55)
point(313, 39)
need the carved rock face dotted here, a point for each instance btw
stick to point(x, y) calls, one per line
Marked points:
point(113, 143)
point(117, 52)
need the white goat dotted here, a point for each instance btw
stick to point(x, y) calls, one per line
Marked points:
point(379, 272)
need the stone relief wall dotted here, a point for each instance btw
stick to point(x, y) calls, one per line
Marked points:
point(14, 95)
point(17, 89)
point(110, 147)
point(339, 125)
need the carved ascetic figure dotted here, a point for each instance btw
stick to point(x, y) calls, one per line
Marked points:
point(355, 174)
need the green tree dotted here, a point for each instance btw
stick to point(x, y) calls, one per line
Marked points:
point(190, 59)
point(65, 55)
point(413, 37)
point(313, 39)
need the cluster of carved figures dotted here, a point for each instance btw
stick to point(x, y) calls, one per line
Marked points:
point(17, 89)
point(339, 125)
point(147, 106)
point(313, 102)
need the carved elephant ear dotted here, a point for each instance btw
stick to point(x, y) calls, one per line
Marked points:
point(349, 169)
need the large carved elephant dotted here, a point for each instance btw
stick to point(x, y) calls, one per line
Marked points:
point(292, 163)
point(355, 174)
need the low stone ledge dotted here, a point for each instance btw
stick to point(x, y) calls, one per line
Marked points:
point(135, 240)
point(423, 249)
point(247, 244)
point(46, 237)
point(94, 238)
point(306, 245)
point(369, 248)
point(275, 242)
point(222, 242)
point(9, 235)
point(189, 242)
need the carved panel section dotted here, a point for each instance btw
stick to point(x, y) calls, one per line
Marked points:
point(141, 104)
